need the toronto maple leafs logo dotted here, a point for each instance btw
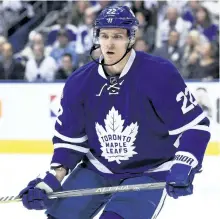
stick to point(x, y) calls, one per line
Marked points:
point(117, 144)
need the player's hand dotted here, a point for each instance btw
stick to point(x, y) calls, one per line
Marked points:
point(179, 181)
point(34, 196)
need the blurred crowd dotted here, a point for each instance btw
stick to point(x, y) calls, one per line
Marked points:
point(185, 32)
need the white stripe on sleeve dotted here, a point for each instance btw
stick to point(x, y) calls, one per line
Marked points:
point(188, 126)
point(71, 140)
point(202, 128)
point(70, 146)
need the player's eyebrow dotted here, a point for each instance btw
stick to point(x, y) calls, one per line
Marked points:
point(104, 33)
point(115, 32)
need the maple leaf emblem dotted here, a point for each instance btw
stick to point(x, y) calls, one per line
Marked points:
point(117, 143)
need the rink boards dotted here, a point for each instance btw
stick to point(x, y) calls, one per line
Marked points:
point(28, 112)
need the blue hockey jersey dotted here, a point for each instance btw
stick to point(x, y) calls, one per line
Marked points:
point(131, 123)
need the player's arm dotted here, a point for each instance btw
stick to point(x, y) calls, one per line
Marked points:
point(179, 110)
point(70, 139)
point(70, 145)
point(185, 119)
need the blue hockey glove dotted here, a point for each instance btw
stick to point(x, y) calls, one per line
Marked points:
point(34, 196)
point(181, 175)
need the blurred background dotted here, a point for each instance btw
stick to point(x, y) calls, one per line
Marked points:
point(47, 40)
point(43, 42)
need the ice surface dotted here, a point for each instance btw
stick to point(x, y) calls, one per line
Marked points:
point(17, 170)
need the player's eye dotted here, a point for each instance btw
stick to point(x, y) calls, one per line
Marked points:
point(118, 37)
point(103, 36)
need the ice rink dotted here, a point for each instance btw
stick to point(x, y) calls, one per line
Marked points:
point(17, 170)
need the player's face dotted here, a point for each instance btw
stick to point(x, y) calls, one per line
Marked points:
point(113, 42)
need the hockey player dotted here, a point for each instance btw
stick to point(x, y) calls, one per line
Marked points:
point(129, 118)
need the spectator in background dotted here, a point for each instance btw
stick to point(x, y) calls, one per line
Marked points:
point(78, 11)
point(145, 31)
point(207, 68)
point(9, 67)
point(189, 11)
point(35, 38)
point(10, 12)
point(191, 51)
point(216, 46)
point(141, 45)
point(172, 22)
point(171, 50)
point(40, 68)
point(62, 24)
point(138, 6)
point(213, 8)
point(66, 68)
point(2, 41)
point(63, 46)
point(148, 8)
point(84, 37)
point(204, 24)
point(179, 5)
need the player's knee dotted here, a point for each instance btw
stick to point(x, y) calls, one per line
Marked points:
point(110, 215)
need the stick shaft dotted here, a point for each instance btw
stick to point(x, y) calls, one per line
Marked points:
point(95, 191)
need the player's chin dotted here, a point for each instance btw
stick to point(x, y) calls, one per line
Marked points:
point(110, 59)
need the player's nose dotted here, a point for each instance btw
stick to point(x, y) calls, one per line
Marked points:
point(110, 46)
point(110, 43)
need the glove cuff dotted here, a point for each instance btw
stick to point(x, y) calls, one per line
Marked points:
point(49, 182)
point(186, 158)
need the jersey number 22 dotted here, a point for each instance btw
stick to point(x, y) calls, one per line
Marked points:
point(189, 101)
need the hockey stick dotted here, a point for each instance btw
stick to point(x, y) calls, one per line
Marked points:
point(95, 191)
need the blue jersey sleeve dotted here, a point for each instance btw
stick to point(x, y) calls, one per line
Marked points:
point(173, 100)
point(177, 107)
point(70, 139)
